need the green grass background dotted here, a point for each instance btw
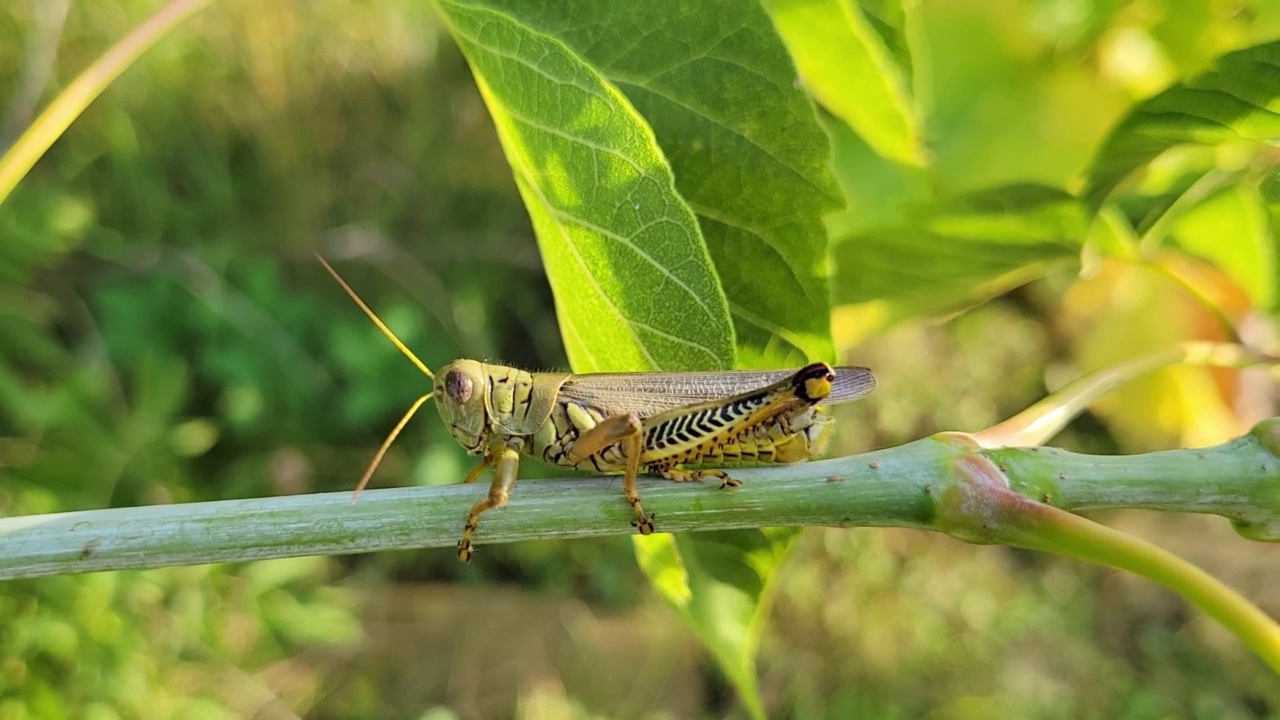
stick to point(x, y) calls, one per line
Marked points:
point(165, 336)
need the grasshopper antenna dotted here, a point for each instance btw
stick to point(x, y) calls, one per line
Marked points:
point(376, 320)
point(386, 444)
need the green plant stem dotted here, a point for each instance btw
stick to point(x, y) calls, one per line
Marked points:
point(899, 486)
point(927, 484)
point(1078, 537)
point(1048, 417)
point(49, 126)
point(982, 506)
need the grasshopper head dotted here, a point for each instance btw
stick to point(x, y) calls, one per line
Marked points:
point(460, 395)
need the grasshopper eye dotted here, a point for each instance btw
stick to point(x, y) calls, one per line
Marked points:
point(458, 385)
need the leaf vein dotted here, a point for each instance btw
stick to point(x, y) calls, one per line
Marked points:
point(804, 179)
point(625, 242)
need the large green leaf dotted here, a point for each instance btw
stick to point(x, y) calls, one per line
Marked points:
point(948, 253)
point(847, 67)
point(715, 83)
point(893, 21)
point(633, 283)
point(900, 251)
point(1239, 100)
point(1232, 228)
point(720, 582)
point(619, 242)
point(879, 192)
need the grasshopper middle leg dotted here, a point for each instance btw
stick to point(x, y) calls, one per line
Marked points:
point(624, 429)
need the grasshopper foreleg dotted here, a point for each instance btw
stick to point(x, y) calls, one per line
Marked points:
point(504, 478)
point(477, 470)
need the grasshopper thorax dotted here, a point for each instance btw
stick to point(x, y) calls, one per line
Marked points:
point(460, 395)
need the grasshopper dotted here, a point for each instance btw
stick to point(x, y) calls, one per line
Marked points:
point(606, 422)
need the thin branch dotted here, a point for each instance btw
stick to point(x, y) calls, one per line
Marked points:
point(82, 91)
point(1038, 423)
point(899, 486)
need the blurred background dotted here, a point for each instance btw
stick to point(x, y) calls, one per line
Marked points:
point(167, 336)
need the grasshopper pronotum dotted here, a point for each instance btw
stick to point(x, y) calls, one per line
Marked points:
point(607, 422)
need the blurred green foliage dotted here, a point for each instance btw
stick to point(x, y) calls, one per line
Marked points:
point(165, 335)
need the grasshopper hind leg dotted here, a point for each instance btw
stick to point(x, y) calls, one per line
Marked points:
point(644, 521)
point(676, 474)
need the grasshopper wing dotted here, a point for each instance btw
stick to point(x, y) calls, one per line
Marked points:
point(648, 394)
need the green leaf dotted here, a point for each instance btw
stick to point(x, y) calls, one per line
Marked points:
point(634, 285)
point(716, 85)
point(878, 192)
point(1270, 186)
point(847, 67)
point(891, 20)
point(903, 252)
point(961, 250)
point(720, 582)
point(719, 92)
point(1233, 230)
point(18, 159)
point(1110, 236)
point(1239, 100)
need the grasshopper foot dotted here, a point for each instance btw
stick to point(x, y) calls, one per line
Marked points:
point(643, 520)
point(644, 523)
point(465, 550)
point(681, 475)
point(725, 480)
